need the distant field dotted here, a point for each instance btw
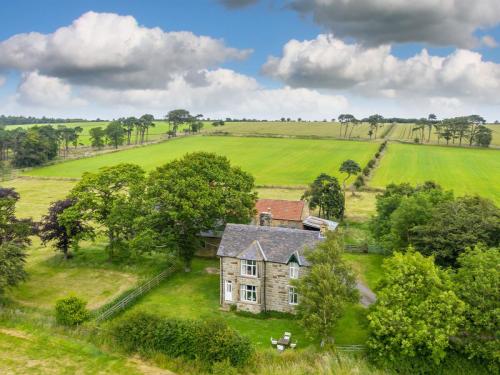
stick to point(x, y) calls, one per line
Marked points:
point(466, 171)
point(271, 161)
point(157, 132)
point(406, 132)
point(297, 129)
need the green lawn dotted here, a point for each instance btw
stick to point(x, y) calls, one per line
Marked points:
point(271, 161)
point(89, 275)
point(466, 171)
point(195, 295)
point(368, 267)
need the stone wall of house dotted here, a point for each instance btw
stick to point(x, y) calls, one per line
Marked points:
point(277, 284)
point(274, 296)
point(287, 224)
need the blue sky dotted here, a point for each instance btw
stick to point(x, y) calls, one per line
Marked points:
point(348, 71)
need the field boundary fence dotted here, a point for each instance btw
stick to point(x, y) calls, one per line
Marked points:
point(351, 348)
point(127, 300)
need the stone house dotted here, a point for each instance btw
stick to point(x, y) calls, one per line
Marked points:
point(257, 264)
point(280, 213)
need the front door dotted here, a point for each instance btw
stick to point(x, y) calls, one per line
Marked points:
point(228, 290)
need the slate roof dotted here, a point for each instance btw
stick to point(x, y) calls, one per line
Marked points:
point(281, 209)
point(274, 243)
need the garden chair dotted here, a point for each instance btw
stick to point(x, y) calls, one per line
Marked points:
point(280, 348)
point(288, 335)
point(293, 345)
point(274, 341)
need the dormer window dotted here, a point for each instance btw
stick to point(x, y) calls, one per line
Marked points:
point(294, 270)
point(249, 268)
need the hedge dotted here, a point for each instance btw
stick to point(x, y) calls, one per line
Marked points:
point(210, 341)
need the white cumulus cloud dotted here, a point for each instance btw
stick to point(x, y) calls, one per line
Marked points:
point(329, 63)
point(109, 50)
point(40, 90)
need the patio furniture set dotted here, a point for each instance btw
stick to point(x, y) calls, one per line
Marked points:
point(284, 342)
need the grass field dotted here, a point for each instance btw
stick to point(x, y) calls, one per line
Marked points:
point(89, 275)
point(268, 159)
point(196, 295)
point(295, 129)
point(25, 349)
point(466, 171)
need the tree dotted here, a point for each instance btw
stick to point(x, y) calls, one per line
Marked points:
point(115, 133)
point(199, 192)
point(475, 123)
point(345, 119)
point(35, 146)
point(326, 289)
point(391, 224)
point(14, 237)
point(375, 121)
point(483, 136)
point(146, 122)
point(455, 225)
point(129, 124)
point(351, 168)
point(326, 195)
point(176, 118)
point(62, 226)
point(77, 130)
point(97, 135)
point(416, 311)
point(477, 284)
point(111, 199)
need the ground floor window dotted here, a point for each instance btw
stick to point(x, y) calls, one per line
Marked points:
point(293, 297)
point(248, 293)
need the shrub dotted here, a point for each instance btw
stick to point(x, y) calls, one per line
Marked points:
point(377, 154)
point(71, 311)
point(211, 341)
point(360, 181)
point(366, 171)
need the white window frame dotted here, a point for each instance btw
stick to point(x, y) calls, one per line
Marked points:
point(293, 296)
point(248, 291)
point(247, 265)
point(226, 294)
point(294, 270)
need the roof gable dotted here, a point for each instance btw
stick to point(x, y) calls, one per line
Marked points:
point(272, 244)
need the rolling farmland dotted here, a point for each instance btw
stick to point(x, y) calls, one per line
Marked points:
point(296, 129)
point(268, 159)
point(466, 171)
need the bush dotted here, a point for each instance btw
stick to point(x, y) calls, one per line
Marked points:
point(211, 341)
point(377, 154)
point(360, 181)
point(371, 163)
point(71, 311)
point(366, 171)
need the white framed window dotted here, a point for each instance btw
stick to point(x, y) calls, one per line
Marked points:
point(249, 268)
point(248, 293)
point(293, 297)
point(294, 270)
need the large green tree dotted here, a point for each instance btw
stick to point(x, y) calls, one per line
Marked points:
point(416, 311)
point(97, 136)
point(326, 289)
point(478, 285)
point(326, 195)
point(176, 118)
point(199, 192)
point(111, 199)
point(455, 225)
point(14, 237)
point(115, 133)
